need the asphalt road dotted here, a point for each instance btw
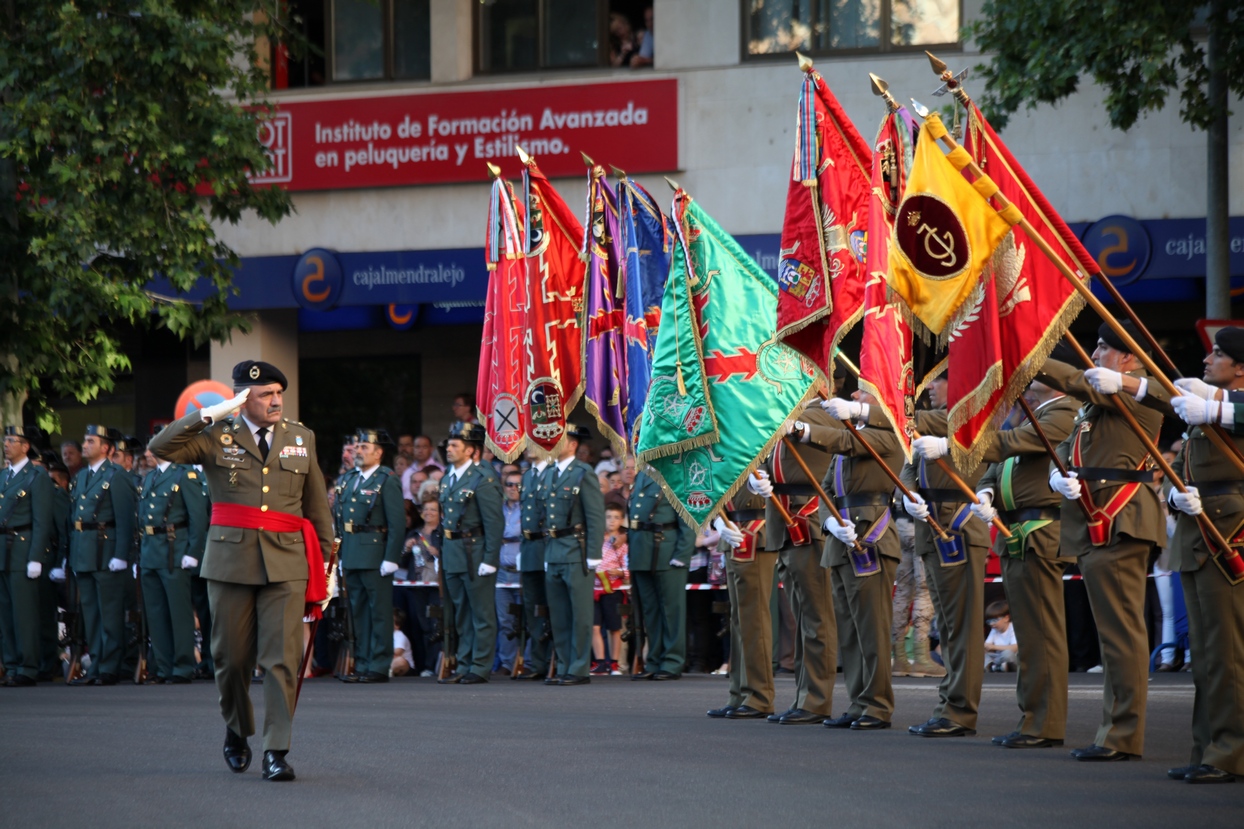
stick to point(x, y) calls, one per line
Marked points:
point(615, 753)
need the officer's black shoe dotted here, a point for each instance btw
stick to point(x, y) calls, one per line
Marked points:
point(915, 729)
point(19, 681)
point(801, 717)
point(571, 679)
point(178, 680)
point(1028, 741)
point(839, 722)
point(642, 675)
point(746, 712)
point(82, 680)
point(275, 767)
point(374, 676)
point(534, 676)
point(452, 679)
point(869, 723)
point(664, 675)
point(237, 752)
point(350, 677)
point(552, 680)
point(720, 713)
point(1101, 754)
point(1208, 774)
point(943, 727)
point(1180, 772)
point(776, 716)
point(1000, 740)
point(467, 679)
point(107, 679)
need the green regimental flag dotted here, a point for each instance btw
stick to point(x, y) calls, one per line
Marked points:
point(722, 385)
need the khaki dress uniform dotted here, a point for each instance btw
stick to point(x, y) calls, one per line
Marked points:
point(531, 571)
point(1033, 563)
point(657, 537)
point(574, 525)
point(25, 525)
point(749, 582)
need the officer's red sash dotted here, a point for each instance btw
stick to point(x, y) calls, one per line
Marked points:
point(1101, 527)
point(747, 550)
point(253, 518)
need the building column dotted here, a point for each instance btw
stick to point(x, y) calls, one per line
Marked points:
point(452, 53)
point(273, 338)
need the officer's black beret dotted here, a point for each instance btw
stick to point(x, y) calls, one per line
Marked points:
point(1231, 342)
point(380, 437)
point(30, 434)
point(1107, 335)
point(102, 432)
point(576, 432)
point(119, 441)
point(258, 373)
point(468, 432)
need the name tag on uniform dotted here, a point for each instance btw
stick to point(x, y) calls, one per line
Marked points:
point(293, 452)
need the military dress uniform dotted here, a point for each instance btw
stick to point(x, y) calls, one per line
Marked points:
point(206, 669)
point(749, 582)
point(473, 528)
point(102, 529)
point(1114, 467)
point(49, 595)
point(25, 524)
point(371, 523)
point(531, 570)
point(574, 526)
point(1032, 568)
point(656, 538)
point(172, 525)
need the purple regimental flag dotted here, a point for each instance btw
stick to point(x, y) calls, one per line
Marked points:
point(604, 353)
point(644, 243)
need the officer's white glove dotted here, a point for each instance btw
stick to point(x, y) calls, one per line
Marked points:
point(931, 448)
point(917, 508)
point(593, 563)
point(845, 534)
point(1170, 526)
point(1068, 487)
point(1104, 380)
point(34, 569)
point(116, 565)
point(1195, 388)
point(213, 413)
point(676, 563)
point(730, 535)
point(1196, 410)
point(486, 569)
point(57, 574)
point(189, 562)
point(984, 510)
point(758, 483)
point(1187, 502)
point(840, 409)
point(388, 568)
point(332, 586)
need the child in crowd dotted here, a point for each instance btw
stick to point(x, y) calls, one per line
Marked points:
point(403, 660)
point(612, 568)
point(1000, 645)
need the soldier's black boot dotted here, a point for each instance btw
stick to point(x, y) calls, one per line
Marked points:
point(237, 752)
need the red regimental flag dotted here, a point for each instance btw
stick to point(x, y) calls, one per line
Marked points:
point(821, 269)
point(551, 349)
point(499, 386)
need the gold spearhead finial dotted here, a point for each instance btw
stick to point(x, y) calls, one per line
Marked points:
point(919, 108)
point(939, 65)
point(675, 186)
point(587, 159)
point(805, 62)
point(522, 154)
point(882, 90)
point(617, 172)
point(494, 169)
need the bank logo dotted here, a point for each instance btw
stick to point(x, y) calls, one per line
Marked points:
point(317, 280)
point(401, 317)
point(1121, 247)
point(276, 137)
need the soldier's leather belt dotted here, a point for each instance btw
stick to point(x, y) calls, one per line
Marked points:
point(1207, 488)
point(80, 526)
point(510, 539)
point(164, 528)
point(739, 516)
point(944, 496)
point(806, 490)
point(454, 535)
point(565, 531)
point(1019, 516)
point(863, 499)
point(533, 535)
point(14, 530)
point(649, 527)
point(351, 527)
point(508, 569)
point(1105, 473)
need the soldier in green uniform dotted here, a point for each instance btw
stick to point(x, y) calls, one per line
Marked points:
point(269, 514)
point(101, 550)
point(955, 572)
point(470, 497)
point(1015, 488)
point(25, 524)
point(172, 525)
point(574, 526)
point(371, 523)
point(1215, 606)
point(531, 569)
point(862, 580)
point(54, 573)
point(206, 668)
point(1107, 456)
point(659, 548)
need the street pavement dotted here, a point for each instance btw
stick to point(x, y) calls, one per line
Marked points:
point(615, 753)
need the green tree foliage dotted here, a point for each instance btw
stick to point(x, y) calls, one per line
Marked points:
point(127, 128)
point(1139, 51)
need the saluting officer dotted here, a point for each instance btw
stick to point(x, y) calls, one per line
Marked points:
point(172, 522)
point(101, 550)
point(25, 524)
point(574, 525)
point(371, 523)
point(531, 568)
point(269, 513)
point(470, 497)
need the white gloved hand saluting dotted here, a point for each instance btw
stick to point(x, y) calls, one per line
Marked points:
point(388, 568)
point(758, 483)
point(917, 509)
point(840, 409)
point(931, 448)
point(116, 565)
point(1068, 487)
point(984, 510)
point(486, 569)
point(189, 562)
point(211, 414)
point(730, 535)
point(845, 534)
point(1196, 388)
point(34, 569)
point(1187, 502)
point(1104, 380)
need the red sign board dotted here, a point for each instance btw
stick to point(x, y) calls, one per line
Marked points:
point(434, 138)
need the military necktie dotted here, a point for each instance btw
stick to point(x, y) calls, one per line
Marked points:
point(262, 442)
point(453, 479)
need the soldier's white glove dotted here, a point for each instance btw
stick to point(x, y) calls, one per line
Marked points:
point(984, 510)
point(388, 568)
point(676, 563)
point(730, 535)
point(917, 509)
point(1196, 388)
point(332, 586)
point(931, 448)
point(1104, 380)
point(116, 565)
point(758, 483)
point(57, 574)
point(593, 563)
point(210, 414)
point(1068, 487)
point(486, 569)
point(1196, 410)
point(189, 562)
point(34, 569)
point(845, 534)
point(840, 409)
point(1187, 502)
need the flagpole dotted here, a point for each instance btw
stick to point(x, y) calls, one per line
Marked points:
point(1085, 500)
point(1232, 564)
point(825, 499)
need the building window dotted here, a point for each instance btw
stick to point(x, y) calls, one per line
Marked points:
point(357, 40)
point(818, 27)
point(530, 35)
